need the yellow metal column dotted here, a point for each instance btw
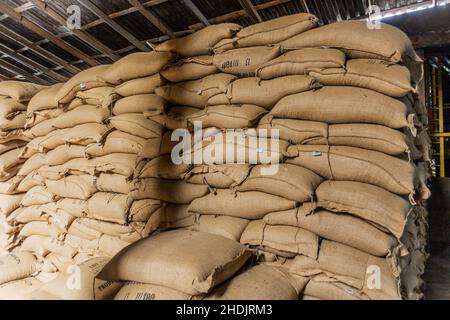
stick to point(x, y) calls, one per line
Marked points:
point(441, 124)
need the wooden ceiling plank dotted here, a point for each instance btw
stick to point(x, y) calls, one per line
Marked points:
point(196, 11)
point(114, 25)
point(45, 34)
point(32, 64)
point(44, 7)
point(251, 11)
point(157, 22)
point(8, 66)
point(47, 55)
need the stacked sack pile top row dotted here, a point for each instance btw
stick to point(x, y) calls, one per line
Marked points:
point(339, 215)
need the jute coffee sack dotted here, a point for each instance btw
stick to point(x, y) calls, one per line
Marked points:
point(115, 142)
point(269, 32)
point(19, 91)
point(200, 42)
point(228, 116)
point(338, 105)
point(84, 80)
point(243, 62)
point(195, 93)
point(285, 241)
point(162, 167)
point(144, 291)
point(247, 205)
point(185, 257)
point(137, 125)
point(290, 181)
point(148, 103)
point(135, 65)
point(323, 287)
point(264, 93)
point(19, 289)
point(190, 69)
point(81, 115)
point(139, 86)
point(355, 164)
point(377, 205)
point(17, 266)
point(99, 97)
point(44, 100)
point(174, 117)
point(342, 228)
point(225, 226)
point(360, 135)
point(218, 176)
point(378, 75)
point(301, 61)
point(260, 282)
point(350, 266)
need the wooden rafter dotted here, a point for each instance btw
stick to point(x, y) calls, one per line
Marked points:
point(5, 8)
point(46, 55)
point(158, 23)
point(251, 10)
point(30, 63)
point(114, 25)
point(43, 6)
point(196, 11)
point(14, 69)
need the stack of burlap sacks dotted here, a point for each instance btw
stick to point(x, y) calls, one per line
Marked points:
point(340, 217)
point(14, 98)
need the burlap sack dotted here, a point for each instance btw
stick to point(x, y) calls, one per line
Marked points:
point(78, 187)
point(158, 146)
point(142, 210)
point(368, 202)
point(11, 186)
point(7, 136)
point(9, 161)
point(260, 282)
point(34, 162)
point(352, 267)
point(290, 181)
point(4, 147)
point(325, 288)
point(41, 228)
point(228, 116)
point(172, 216)
point(173, 191)
point(116, 142)
point(387, 42)
point(192, 270)
point(76, 207)
point(20, 91)
point(342, 228)
point(195, 93)
point(143, 291)
point(37, 117)
point(345, 105)
point(38, 195)
point(41, 129)
point(9, 203)
point(301, 62)
point(10, 108)
point(200, 42)
point(17, 266)
point(378, 75)
point(86, 287)
point(247, 205)
point(135, 65)
point(149, 103)
point(162, 167)
point(113, 183)
point(81, 115)
point(245, 61)
point(98, 97)
point(82, 134)
point(190, 69)
point(218, 176)
point(355, 164)
point(269, 32)
point(28, 214)
point(63, 153)
point(174, 117)
point(137, 125)
point(138, 86)
point(17, 121)
point(18, 289)
point(84, 80)
point(112, 207)
point(228, 227)
point(44, 99)
point(263, 93)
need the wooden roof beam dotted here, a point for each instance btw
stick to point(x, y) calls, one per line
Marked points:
point(46, 55)
point(45, 34)
point(30, 63)
point(114, 25)
point(43, 6)
point(158, 23)
point(196, 11)
point(8, 66)
point(251, 10)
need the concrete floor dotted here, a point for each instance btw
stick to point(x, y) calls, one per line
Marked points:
point(437, 275)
